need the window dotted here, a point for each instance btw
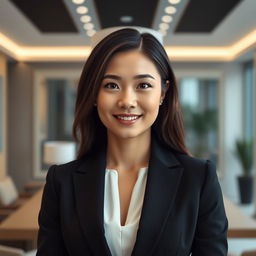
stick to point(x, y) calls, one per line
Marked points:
point(248, 103)
point(54, 104)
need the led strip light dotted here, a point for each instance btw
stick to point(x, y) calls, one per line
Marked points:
point(181, 53)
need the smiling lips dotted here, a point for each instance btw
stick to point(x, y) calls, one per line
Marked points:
point(127, 119)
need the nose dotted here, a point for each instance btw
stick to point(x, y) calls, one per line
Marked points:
point(128, 99)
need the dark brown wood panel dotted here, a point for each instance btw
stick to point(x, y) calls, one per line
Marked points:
point(49, 16)
point(142, 11)
point(203, 16)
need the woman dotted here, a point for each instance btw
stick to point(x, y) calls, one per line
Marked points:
point(134, 188)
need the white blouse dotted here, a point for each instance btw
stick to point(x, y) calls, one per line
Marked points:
point(121, 239)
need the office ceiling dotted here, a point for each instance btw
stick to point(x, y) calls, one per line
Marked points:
point(197, 23)
point(199, 16)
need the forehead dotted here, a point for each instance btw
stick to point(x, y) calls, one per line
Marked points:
point(131, 62)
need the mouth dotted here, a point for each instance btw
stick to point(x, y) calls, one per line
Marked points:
point(127, 119)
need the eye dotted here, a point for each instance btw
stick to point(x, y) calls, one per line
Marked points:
point(111, 86)
point(144, 85)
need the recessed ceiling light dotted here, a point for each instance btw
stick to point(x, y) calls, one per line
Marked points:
point(81, 9)
point(174, 1)
point(77, 1)
point(90, 32)
point(88, 26)
point(85, 18)
point(170, 10)
point(167, 18)
point(163, 26)
point(126, 19)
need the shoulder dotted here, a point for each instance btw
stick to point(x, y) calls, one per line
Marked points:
point(193, 162)
point(192, 166)
point(62, 172)
point(196, 168)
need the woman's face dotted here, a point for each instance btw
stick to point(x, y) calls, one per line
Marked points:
point(129, 95)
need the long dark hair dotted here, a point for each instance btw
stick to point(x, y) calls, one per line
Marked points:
point(88, 130)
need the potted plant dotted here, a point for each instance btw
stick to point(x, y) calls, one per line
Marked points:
point(198, 126)
point(244, 154)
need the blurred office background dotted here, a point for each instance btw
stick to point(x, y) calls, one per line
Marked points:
point(211, 45)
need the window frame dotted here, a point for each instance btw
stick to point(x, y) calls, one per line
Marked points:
point(40, 76)
point(219, 75)
point(245, 94)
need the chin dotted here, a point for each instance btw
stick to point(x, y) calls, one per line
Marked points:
point(129, 134)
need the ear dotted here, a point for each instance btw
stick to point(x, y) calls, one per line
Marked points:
point(165, 89)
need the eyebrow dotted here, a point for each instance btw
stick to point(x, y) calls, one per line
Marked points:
point(135, 77)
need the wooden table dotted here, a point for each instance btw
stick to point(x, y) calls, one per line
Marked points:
point(240, 225)
point(23, 223)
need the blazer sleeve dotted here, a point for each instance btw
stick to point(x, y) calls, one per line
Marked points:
point(211, 233)
point(50, 241)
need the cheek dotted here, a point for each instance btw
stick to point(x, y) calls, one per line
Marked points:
point(102, 106)
point(103, 102)
point(151, 112)
point(152, 103)
point(154, 107)
point(101, 98)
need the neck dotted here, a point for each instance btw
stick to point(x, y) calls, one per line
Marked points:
point(128, 154)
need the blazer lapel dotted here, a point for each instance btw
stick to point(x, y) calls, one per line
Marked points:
point(89, 193)
point(163, 179)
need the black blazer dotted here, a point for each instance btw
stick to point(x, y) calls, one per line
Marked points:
point(182, 211)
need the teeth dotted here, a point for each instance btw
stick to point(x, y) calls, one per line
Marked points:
point(128, 117)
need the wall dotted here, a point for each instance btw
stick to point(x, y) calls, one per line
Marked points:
point(20, 152)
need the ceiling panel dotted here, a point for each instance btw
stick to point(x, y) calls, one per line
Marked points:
point(49, 16)
point(201, 16)
point(110, 12)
